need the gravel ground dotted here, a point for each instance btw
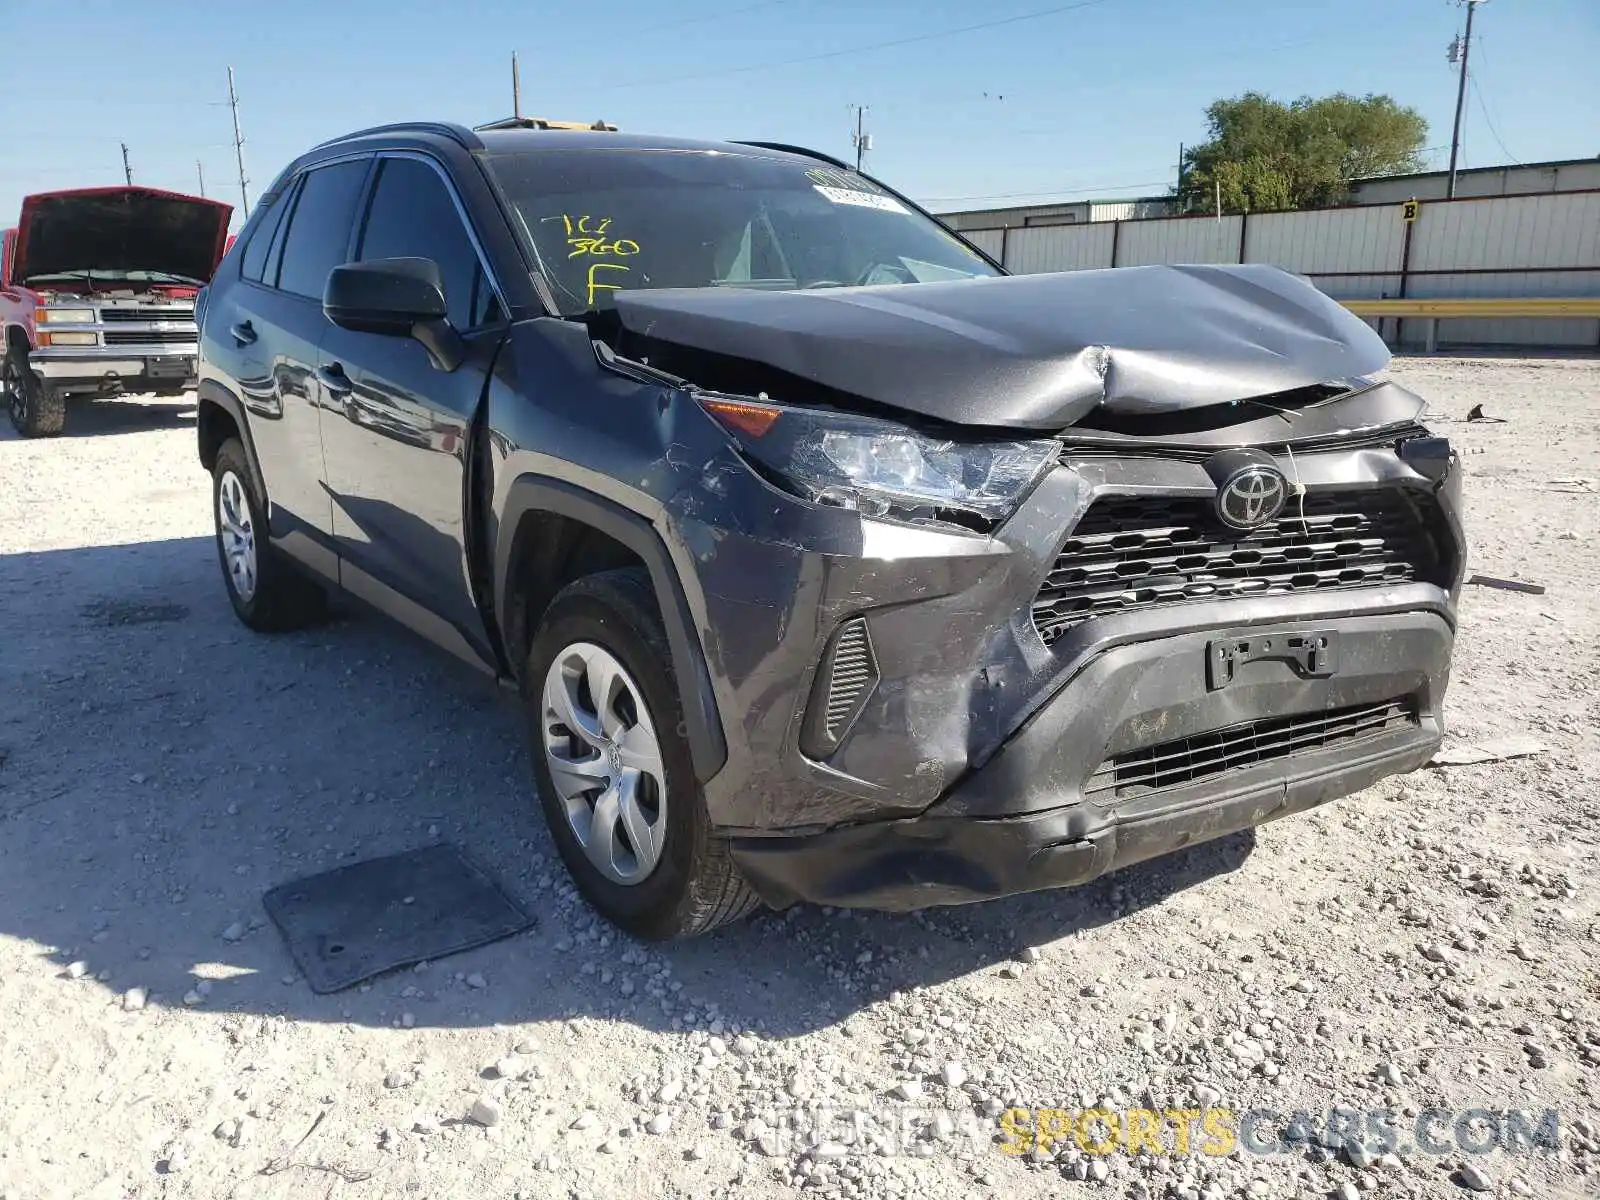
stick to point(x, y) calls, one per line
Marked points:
point(1428, 943)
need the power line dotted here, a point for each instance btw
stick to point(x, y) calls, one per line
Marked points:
point(848, 50)
point(1477, 93)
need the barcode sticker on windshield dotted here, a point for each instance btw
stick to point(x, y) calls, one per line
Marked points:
point(864, 199)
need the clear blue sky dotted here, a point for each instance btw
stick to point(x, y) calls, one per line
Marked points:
point(1096, 99)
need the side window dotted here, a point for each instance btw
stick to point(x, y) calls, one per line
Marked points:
point(266, 236)
point(413, 216)
point(319, 229)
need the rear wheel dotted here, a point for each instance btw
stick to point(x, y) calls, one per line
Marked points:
point(613, 768)
point(36, 409)
point(267, 593)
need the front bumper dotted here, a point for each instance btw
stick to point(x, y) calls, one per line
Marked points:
point(1026, 820)
point(97, 370)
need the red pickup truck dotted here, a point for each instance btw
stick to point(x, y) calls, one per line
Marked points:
point(97, 292)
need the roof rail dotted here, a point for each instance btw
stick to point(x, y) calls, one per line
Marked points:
point(546, 123)
point(802, 151)
point(456, 133)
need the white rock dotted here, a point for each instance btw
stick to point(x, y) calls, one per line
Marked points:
point(526, 1046)
point(744, 1046)
point(1031, 954)
point(1473, 1176)
point(696, 1152)
point(953, 1074)
point(77, 970)
point(669, 1091)
point(659, 1123)
point(586, 1120)
point(908, 1089)
point(1390, 1073)
point(510, 1067)
point(1098, 1170)
point(233, 932)
point(134, 999)
point(398, 1079)
point(1347, 1191)
point(486, 1111)
point(407, 1020)
point(476, 980)
point(191, 998)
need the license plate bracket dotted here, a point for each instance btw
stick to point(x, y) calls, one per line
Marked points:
point(1312, 653)
point(171, 366)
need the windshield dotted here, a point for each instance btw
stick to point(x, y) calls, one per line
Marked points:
point(602, 221)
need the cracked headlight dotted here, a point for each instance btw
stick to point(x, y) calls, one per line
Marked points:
point(883, 469)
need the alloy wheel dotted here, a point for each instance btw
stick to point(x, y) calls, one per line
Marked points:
point(605, 761)
point(236, 532)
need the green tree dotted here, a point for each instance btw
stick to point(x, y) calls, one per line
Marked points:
point(1269, 156)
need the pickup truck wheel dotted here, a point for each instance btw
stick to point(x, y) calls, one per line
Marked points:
point(267, 593)
point(615, 777)
point(36, 410)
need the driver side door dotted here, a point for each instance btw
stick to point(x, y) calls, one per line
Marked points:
point(397, 430)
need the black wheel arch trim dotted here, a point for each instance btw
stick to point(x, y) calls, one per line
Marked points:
point(212, 392)
point(530, 494)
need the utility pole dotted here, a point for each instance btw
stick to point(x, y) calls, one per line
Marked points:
point(1459, 50)
point(201, 171)
point(516, 89)
point(861, 138)
point(127, 171)
point(1181, 205)
point(238, 146)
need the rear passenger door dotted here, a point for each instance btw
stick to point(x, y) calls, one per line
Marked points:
point(269, 330)
point(398, 439)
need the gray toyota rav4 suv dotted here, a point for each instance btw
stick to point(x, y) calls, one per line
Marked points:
point(830, 562)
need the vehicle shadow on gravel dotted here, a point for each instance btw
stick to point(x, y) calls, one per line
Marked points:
point(161, 768)
point(102, 418)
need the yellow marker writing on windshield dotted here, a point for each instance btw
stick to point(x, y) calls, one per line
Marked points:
point(603, 287)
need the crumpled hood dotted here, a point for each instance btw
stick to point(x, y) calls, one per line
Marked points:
point(1031, 351)
point(120, 229)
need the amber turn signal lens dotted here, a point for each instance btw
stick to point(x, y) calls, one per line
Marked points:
point(752, 420)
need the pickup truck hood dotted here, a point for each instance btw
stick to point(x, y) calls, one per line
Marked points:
point(1026, 351)
point(119, 229)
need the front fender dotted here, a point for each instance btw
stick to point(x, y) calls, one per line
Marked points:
point(533, 494)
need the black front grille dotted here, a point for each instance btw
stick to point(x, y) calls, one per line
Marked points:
point(1186, 760)
point(1136, 552)
point(110, 316)
point(150, 337)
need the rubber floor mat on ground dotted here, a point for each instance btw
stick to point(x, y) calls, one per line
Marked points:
point(355, 922)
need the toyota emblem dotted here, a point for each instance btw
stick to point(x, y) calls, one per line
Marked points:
point(1252, 496)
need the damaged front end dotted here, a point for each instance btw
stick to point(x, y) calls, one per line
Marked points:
point(1006, 583)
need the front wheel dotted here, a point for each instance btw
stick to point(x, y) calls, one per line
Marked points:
point(267, 593)
point(36, 410)
point(613, 767)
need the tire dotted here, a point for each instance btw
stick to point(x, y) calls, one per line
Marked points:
point(693, 885)
point(36, 410)
point(268, 594)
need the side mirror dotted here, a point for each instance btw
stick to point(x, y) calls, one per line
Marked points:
point(387, 295)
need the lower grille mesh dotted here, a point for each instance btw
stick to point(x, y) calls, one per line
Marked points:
point(1186, 760)
point(1135, 552)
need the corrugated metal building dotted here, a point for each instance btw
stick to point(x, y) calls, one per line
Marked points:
point(1512, 247)
point(1076, 213)
point(1563, 175)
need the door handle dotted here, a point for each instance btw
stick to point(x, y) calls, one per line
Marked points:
point(243, 333)
point(334, 379)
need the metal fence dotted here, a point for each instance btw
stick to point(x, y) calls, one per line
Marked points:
point(1502, 246)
